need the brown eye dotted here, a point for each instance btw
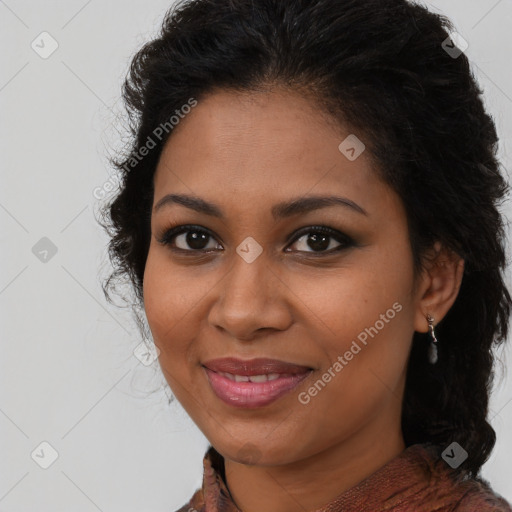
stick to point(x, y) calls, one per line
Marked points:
point(188, 238)
point(313, 239)
point(321, 239)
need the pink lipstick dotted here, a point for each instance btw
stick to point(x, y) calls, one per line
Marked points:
point(254, 382)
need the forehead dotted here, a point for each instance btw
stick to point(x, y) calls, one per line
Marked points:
point(252, 148)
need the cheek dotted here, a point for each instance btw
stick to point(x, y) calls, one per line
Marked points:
point(175, 299)
point(371, 346)
point(166, 302)
point(363, 362)
point(368, 315)
point(356, 297)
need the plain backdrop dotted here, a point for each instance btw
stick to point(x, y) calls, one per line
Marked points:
point(74, 397)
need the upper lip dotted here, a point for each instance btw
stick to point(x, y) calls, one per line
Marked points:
point(259, 366)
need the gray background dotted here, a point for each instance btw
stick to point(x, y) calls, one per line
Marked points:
point(68, 373)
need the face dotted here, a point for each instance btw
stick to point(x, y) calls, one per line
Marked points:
point(258, 271)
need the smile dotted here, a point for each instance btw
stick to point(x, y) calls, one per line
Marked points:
point(250, 378)
point(253, 391)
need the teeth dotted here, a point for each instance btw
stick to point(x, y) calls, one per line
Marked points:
point(252, 378)
point(258, 378)
point(227, 375)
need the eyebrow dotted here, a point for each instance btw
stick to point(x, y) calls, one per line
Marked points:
point(282, 210)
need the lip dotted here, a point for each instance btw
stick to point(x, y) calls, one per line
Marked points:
point(253, 394)
point(257, 366)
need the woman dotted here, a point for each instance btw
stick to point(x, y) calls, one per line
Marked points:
point(308, 216)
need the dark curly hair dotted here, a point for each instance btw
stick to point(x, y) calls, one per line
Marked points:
point(380, 67)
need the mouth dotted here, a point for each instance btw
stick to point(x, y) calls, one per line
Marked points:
point(253, 383)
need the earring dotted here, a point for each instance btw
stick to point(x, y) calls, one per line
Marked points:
point(432, 349)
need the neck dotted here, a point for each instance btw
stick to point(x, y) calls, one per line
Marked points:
point(311, 483)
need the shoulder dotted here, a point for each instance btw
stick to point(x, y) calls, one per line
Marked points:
point(478, 495)
point(188, 508)
point(454, 490)
point(196, 503)
point(185, 508)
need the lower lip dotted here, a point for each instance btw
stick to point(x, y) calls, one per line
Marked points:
point(252, 394)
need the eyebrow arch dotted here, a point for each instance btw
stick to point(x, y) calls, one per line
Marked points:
point(279, 211)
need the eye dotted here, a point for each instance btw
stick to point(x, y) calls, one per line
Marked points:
point(320, 240)
point(188, 239)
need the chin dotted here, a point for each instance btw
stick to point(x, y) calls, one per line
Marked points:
point(257, 453)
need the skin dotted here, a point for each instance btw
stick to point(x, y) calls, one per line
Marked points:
point(245, 153)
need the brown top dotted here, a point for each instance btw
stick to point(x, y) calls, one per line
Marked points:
point(416, 480)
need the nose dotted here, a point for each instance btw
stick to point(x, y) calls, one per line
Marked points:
point(252, 299)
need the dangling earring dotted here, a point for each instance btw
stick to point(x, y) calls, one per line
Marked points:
point(432, 349)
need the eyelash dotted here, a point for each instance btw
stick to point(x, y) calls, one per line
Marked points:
point(346, 242)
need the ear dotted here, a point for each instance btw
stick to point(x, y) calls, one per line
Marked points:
point(438, 286)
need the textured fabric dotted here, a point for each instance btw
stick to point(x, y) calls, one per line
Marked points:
point(416, 480)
